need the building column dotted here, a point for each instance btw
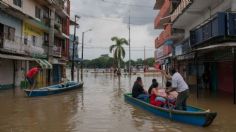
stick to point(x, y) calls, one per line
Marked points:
point(234, 73)
point(14, 73)
point(197, 68)
point(51, 41)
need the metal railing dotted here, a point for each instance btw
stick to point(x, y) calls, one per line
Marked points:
point(213, 27)
point(179, 10)
point(56, 51)
point(163, 36)
point(162, 13)
point(19, 45)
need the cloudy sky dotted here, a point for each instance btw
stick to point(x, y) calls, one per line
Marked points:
point(108, 18)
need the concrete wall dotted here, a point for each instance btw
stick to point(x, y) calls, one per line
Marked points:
point(28, 6)
point(6, 71)
point(225, 76)
point(12, 22)
point(21, 68)
point(208, 13)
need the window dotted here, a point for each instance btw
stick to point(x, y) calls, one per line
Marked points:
point(17, 3)
point(46, 38)
point(26, 39)
point(37, 12)
point(45, 12)
point(34, 40)
point(9, 33)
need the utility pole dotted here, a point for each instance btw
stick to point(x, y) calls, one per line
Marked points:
point(82, 57)
point(144, 58)
point(51, 43)
point(73, 51)
point(82, 53)
point(129, 48)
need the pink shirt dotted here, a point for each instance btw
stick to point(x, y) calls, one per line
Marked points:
point(161, 92)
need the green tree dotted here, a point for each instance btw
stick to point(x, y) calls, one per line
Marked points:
point(119, 51)
point(150, 61)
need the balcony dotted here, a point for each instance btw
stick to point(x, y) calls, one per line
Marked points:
point(158, 4)
point(163, 51)
point(180, 8)
point(19, 46)
point(160, 19)
point(13, 45)
point(58, 27)
point(182, 48)
point(56, 51)
point(62, 7)
point(219, 28)
point(163, 36)
point(191, 12)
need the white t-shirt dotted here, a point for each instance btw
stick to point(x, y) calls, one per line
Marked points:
point(179, 83)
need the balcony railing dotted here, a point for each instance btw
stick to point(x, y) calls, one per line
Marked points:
point(182, 48)
point(18, 45)
point(63, 5)
point(162, 13)
point(181, 7)
point(162, 51)
point(221, 25)
point(56, 51)
point(163, 36)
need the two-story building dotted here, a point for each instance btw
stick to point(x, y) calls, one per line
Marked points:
point(205, 54)
point(33, 32)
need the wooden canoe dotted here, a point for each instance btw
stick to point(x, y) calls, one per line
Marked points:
point(193, 115)
point(54, 89)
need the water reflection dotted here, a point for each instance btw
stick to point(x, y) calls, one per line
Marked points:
point(100, 107)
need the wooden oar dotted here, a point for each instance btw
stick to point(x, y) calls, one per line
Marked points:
point(33, 87)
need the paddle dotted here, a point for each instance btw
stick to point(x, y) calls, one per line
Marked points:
point(33, 87)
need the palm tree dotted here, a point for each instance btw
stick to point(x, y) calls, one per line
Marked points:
point(119, 52)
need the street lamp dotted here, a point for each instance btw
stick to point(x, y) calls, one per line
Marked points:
point(82, 53)
point(73, 51)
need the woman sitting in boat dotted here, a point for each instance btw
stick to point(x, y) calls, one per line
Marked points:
point(171, 96)
point(157, 96)
point(138, 91)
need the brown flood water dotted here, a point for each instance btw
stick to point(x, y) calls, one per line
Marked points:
point(100, 107)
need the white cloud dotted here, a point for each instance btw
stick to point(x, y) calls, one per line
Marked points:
point(108, 19)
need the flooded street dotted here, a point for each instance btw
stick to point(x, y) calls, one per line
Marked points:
point(99, 107)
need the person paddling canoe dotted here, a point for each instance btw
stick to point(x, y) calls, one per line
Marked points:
point(180, 86)
point(31, 75)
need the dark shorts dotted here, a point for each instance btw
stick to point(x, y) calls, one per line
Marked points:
point(30, 80)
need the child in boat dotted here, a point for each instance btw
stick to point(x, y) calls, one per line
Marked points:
point(171, 96)
point(157, 95)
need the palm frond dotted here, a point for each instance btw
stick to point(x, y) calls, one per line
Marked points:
point(124, 41)
point(114, 38)
point(111, 48)
point(123, 52)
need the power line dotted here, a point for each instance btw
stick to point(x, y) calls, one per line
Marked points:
point(114, 19)
point(126, 4)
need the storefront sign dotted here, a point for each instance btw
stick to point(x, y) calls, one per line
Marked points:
point(31, 30)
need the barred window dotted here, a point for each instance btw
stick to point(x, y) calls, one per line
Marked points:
point(9, 33)
point(34, 40)
point(17, 3)
point(37, 12)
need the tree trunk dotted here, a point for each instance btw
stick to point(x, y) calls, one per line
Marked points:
point(118, 72)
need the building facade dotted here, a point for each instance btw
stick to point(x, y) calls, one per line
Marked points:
point(33, 32)
point(202, 37)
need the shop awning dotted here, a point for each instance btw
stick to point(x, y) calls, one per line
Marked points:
point(44, 63)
